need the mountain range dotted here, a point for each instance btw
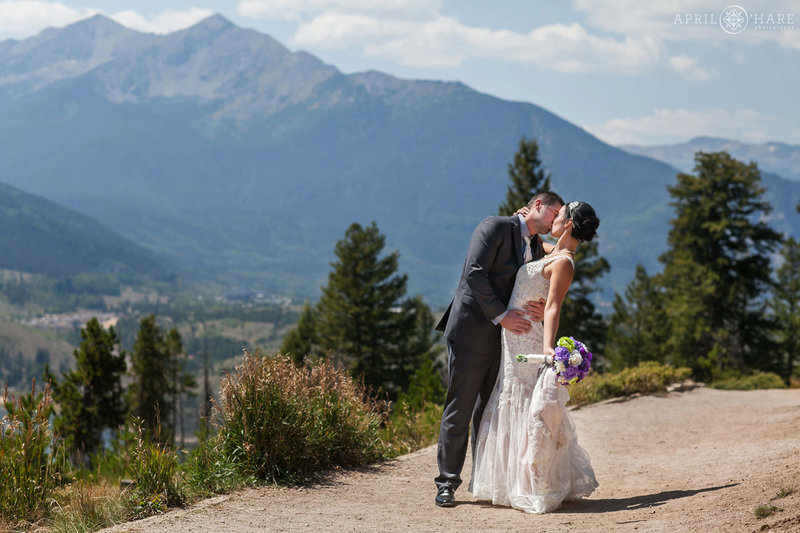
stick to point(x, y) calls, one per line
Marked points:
point(223, 151)
point(773, 157)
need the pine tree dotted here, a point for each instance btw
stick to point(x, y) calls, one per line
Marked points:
point(527, 177)
point(206, 383)
point(360, 315)
point(302, 340)
point(417, 348)
point(90, 396)
point(717, 267)
point(638, 328)
point(150, 391)
point(785, 306)
point(183, 382)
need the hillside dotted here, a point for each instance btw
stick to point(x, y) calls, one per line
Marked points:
point(24, 351)
point(41, 237)
point(224, 151)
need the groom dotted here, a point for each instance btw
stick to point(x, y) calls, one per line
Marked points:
point(472, 322)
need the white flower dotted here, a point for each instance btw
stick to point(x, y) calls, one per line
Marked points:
point(575, 358)
point(560, 367)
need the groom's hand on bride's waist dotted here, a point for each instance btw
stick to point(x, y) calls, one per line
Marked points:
point(516, 322)
point(534, 309)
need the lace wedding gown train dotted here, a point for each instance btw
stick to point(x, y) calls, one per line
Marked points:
point(527, 454)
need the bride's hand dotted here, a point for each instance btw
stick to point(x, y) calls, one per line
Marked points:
point(534, 309)
point(523, 211)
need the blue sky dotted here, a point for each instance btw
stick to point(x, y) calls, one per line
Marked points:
point(629, 71)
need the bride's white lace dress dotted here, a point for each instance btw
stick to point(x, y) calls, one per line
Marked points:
point(527, 454)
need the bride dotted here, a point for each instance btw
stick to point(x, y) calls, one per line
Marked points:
point(527, 454)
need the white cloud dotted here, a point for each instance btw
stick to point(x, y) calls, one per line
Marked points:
point(415, 33)
point(687, 20)
point(23, 18)
point(687, 67)
point(295, 9)
point(444, 41)
point(679, 125)
point(164, 22)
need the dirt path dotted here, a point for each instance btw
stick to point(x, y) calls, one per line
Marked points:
point(693, 461)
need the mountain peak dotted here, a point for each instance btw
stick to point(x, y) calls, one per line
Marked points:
point(95, 26)
point(215, 22)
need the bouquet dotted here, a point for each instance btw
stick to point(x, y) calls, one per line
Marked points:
point(571, 362)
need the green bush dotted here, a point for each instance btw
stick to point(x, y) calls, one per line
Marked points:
point(414, 422)
point(284, 423)
point(645, 378)
point(154, 470)
point(756, 380)
point(28, 474)
point(210, 471)
point(410, 429)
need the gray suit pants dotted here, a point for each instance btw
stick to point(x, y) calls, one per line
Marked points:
point(471, 378)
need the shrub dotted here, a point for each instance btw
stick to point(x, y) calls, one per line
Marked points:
point(210, 471)
point(756, 380)
point(410, 429)
point(284, 423)
point(28, 475)
point(154, 470)
point(414, 422)
point(645, 378)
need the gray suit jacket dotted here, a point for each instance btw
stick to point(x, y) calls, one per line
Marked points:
point(490, 269)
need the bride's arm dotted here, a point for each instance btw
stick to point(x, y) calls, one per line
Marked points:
point(561, 272)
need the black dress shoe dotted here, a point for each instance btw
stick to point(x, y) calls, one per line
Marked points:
point(446, 498)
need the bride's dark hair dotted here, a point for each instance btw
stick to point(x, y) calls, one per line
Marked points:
point(584, 220)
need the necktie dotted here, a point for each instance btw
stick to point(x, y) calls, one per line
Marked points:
point(528, 254)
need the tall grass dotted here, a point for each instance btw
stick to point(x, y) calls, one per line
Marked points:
point(28, 474)
point(209, 470)
point(154, 470)
point(87, 506)
point(285, 423)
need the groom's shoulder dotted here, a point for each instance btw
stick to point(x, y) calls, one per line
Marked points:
point(497, 221)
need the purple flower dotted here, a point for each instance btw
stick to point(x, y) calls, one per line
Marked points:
point(562, 354)
point(572, 374)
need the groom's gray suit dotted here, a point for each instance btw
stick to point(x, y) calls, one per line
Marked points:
point(473, 341)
